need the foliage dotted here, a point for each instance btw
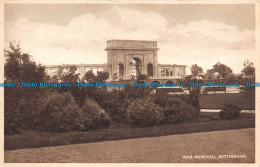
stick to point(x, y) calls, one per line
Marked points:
point(194, 97)
point(101, 76)
point(177, 108)
point(222, 69)
point(249, 69)
point(20, 102)
point(44, 108)
point(115, 77)
point(60, 113)
point(69, 74)
point(144, 113)
point(131, 92)
point(178, 111)
point(195, 70)
point(20, 68)
point(210, 73)
point(114, 103)
point(12, 113)
point(93, 116)
point(142, 77)
point(229, 112)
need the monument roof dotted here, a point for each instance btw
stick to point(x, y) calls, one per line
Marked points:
point(131, 44)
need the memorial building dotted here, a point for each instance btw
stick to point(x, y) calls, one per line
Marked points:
point(127, 59)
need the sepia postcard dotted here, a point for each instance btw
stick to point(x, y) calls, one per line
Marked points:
point(138, 83)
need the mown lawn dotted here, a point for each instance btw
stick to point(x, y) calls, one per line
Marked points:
point(34, 139)
point(217, 101)
point(166, 149)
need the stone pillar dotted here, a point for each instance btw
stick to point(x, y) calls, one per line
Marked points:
point(114, 64)
point(127, 66)
point(124, 66)
point(144, 64)
point(155, 66)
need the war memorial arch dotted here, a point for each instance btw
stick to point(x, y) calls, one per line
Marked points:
point(128, 59)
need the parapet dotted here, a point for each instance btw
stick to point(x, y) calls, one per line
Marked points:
point(131, 45)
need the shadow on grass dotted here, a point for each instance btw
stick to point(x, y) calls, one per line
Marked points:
point(35, 139)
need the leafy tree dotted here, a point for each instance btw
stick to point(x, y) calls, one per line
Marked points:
point(144, 112)
point(142, 77)
point(21, 102)
point(209, 74)
point(195, 70)
point(222, 69)
point(19, 67)
point(249, 69)
point(66, 74)
point(115, 77)
point(81, 93)
point(101, 76)
point(194, 98)
point(89, 76)
point(70, 75)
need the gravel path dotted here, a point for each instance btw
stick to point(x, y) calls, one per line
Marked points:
point(219, 146)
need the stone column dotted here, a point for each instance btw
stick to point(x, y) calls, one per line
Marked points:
point(155, 66)
point(127, 66)
point(144, 64)
point(124, 66)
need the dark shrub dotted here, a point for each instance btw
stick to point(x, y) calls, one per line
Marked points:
point(144, 113)
point(194, 98)
point(229, 112)
point(93, 116)
point(178, 111)
point(12, 111)
point(19, 103)
point(12, 124)
point(114, 103)
point(60, 114)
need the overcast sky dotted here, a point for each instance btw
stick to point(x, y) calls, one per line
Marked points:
point(186, 34)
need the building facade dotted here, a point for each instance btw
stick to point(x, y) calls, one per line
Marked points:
point(127, 59)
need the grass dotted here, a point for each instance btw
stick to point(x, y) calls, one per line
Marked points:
point(217, 101)
point(166, 149)
point(34, 139)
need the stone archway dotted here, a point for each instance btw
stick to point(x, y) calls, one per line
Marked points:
point(135, 66)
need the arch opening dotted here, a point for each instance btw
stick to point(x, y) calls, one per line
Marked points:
point(121, 69)
point(135, 67)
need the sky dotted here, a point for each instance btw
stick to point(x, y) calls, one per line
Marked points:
point(185, 34)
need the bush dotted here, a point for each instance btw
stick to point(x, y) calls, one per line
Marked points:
point(144, 113)
point(114, 103)
point(60, 114)
point(11, 122)
point(19, 103)
point(12, 111)
point(93, 116)
point(178, 111)
point(19, 108)
point(229, 112)
point(194, 98)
